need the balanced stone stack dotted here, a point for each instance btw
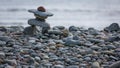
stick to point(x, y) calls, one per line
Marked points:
point(39, 23)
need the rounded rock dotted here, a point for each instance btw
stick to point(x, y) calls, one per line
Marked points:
point(95, 65)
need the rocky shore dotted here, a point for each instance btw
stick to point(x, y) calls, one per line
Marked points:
point(74, 47)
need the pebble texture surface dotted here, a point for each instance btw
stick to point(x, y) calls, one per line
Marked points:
point(60, 48)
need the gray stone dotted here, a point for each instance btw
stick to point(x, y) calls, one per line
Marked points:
point(114, 58)
point(38, 23)
point(58, 66)
point(93, 31)
point(117, 50)
point(73, 28)
point(73, 66)
point(87, 59)
point(88, 44)
point(48, 65)
point(95, 47)
point(30, 30)
point(40, 13)
point(56, 32)
point(95, 65)
point(71, 42)
point(8, 66)
point(115, 65)
point(59, 27)
point(110, 46)
point(113, 38)
point(83, 65)
point(37, 59)
point(113, 27)
point(3, 29)
point(2, 55)
point(43, 25)
point(2, 43)
point(95, 40)
point(59, 41)
point(5, 38)
point(45, 56)
point(76, 37)
point(11, 62)
point(15, 29)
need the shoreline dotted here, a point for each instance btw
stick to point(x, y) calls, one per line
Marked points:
point(61, 47)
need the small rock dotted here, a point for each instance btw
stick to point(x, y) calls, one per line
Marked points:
point(110, 46)
point(114, 58)
point(71, 42)
point(95, 47)
point(115, 65)
point(2, 54)
point(95, 40)
point(87, 59)
point(117, 50)
point(56, 32)
point(37, 59)
point(113, 38)
point(83, 65)
point(30, 30)
point(95, 65)
point(59, 27)
point(48, 65)
point(92, 31)
point(11, 62)
point(45, 56)
point(2, 43)
point(73, 28)
point(58, 66)
point(112, 27)
point(5, 38)
point(3, 29)
point(59, 45)
point(8, 66)
point(76, 37)
point(73, 66)
point(1, 61)
point(65, 33)
point(88, 44)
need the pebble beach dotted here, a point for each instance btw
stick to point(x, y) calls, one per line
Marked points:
point(61, 47)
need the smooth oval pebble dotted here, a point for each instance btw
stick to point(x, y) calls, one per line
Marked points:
point(95, 65)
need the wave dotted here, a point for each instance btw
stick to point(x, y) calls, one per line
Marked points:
point(13, 10)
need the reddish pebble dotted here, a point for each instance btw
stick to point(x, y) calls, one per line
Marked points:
point(41, 8)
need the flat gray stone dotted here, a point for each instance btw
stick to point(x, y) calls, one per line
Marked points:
point(58, 66)
point(73, 66)
point(110, 46)
point(95, 47)
point(5, 38)
point(35, 22)
point(40, 13)
point(57, 32)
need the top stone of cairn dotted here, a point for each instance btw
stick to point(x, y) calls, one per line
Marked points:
point(40, 12)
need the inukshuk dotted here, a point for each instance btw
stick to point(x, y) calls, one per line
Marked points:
point(38, 24)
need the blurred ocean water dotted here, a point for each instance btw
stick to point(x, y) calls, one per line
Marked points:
point(87, 13)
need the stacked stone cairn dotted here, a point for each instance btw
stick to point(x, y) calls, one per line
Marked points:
point(38, 24)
